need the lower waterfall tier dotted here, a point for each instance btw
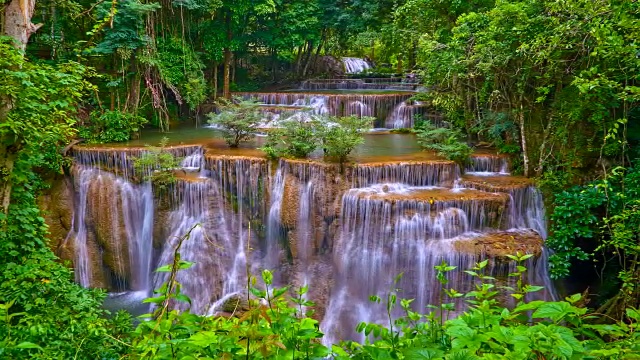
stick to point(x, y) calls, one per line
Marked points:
point(345, 234)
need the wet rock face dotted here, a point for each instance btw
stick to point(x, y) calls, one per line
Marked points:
point(106, 218)
point(497, 245)
point(57, 209)
point(326, 65)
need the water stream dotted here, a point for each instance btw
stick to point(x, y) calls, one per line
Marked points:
point(346, 235)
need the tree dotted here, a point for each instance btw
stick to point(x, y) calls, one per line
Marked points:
point(342, 134)
point(297, 137)
point(38, 104)
point(237, 120)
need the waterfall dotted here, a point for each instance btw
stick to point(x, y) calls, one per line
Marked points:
point(385, 232)
point(487, 165)
point(527, 210)
point(274, 233)
point(242, 182)
point(346, 234)
point(118, 215)
point(342, 104)
point(200, 217)
point(120, 160)
point(358, 84)
point(355, 65)
point(404, 113)
point(79, 233)
point(430, 173)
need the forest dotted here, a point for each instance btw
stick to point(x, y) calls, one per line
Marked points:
point(320, 179)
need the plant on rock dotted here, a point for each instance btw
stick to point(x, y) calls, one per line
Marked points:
point(295, 138)
point(445, 141)
point(238, 120)
point(157, 165)
point(341, 135)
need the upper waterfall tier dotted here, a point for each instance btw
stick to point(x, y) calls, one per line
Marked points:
point(413, 173)
point(354, 65)
point(376, 104)
point(488, 164)
point(393, 83)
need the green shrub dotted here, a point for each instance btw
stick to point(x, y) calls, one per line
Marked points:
point(487, 330)
point(112, 126)
point(445, 141)
point(296, 138)
point(340, 135)
point(238, 120)
point(157, 165)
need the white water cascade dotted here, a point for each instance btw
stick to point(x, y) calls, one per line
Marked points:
point(117, 215)
point(355, 65)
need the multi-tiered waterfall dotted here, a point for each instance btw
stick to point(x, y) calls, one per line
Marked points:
point(346, 235)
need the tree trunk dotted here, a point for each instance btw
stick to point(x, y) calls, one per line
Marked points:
point(298, 60)
point(17, 24)
point(523, 140)
point(274, 64)
point(226, 89)
point(234, 65)
point(133, 99)
point(215, 80)
point(412, 55)
point(308, 59)
point(17, 21)
point(7, 156)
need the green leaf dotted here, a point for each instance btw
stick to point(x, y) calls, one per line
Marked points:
point(164, 268)
point(633, 314)
point(423, 354)
point(28, 345)
point(554, 310)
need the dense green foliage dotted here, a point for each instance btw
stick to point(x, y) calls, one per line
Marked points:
point(299, 137)
point(271, 325)
point(158, 166)
point(343, 135)
point(445, 141)
point(295, 138)
point(111, 126)
point(45, 314)
point(238, 120)
point(487, 330)
point(600, 221)
point(256, 330)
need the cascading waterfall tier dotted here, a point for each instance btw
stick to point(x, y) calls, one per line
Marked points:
point(527, 210)
point(412, 173)
point(112, 231)
point(344, 104)
point(393, 83)
point(403, 115)
point(355, 65)
point(120, 160)
point(488, 165)
point(346, 234)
